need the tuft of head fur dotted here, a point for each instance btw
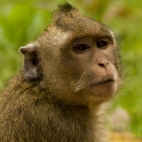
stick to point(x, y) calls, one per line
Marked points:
point(64, 14)
point(66, 8)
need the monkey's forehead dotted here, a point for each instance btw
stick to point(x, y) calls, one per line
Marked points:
point(87, 30)
point(68, 31)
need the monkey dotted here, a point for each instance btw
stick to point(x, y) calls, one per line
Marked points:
point(69, 72)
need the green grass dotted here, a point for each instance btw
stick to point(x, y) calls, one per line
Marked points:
point(21, 22)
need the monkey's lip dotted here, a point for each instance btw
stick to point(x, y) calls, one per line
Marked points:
point(103, 81)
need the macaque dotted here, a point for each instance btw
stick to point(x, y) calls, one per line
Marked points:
point(68, 74)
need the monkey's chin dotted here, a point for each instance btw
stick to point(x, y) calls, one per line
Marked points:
point(105, 89)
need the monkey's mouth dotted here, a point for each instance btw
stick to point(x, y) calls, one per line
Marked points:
point(101, 82)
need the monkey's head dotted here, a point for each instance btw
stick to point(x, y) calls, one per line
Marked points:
point(76, 58)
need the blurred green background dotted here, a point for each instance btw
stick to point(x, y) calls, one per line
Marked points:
point(22, 21)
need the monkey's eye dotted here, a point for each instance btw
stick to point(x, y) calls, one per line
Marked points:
point(101, 44)
point(80, 48)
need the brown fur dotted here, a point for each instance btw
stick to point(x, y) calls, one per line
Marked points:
point(58, 95)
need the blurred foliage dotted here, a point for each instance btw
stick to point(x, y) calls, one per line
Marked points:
point(22, 21)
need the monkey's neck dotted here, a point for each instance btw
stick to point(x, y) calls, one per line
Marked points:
point(76, 121)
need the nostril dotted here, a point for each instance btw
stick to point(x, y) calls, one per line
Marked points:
point(103, 64)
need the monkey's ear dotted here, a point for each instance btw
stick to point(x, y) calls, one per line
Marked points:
point(32, 69)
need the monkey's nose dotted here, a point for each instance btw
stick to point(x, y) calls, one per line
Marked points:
point(103, 64)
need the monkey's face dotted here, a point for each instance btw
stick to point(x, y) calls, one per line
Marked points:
point(90, 63)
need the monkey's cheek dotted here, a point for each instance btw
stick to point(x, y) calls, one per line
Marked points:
point(106, 90)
